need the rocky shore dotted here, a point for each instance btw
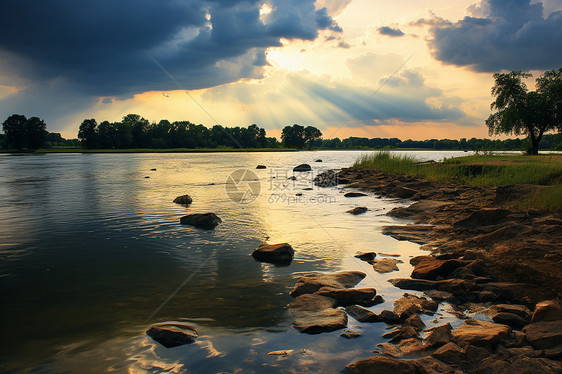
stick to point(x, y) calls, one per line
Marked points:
point(484, 255)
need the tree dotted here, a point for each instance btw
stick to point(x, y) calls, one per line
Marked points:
point(36, 132)
point(293, 136)
point(15, 129)
point(519, 111)
point(87, 133)
point(311, 133)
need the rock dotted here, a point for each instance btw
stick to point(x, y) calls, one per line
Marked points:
point(362, 314)
point(455, 286)
point(389, 317)
point(412, 346)
point(354, 194)
point(274, 253)
point(483, 217)
point(405, 332)
point(318, 160)
point(430, 365)
point(520, 310)
point(475, 354)
point(532, 365)
point(450, 353)
point(415, 321)
point(378, 300)
point(420, 207)
point(491, 365)
point(207, 221)
point(508, 290)
point(172, 335)
point(481, 333)
point(404, 192)
point(549, 310)
point(382, 365)
point(152, 169)
point(357, 210)
point(284, 352)
point(438, 336)
point(413, 233)
point(544, 335)
point(302, 167)
point(361, 296)
point(312, 302)
point(350, 334)
point(385, 265)
point(409, 304)
point(390, 349)
point(440, 295)
point(261, 167)
point(292, 178)
point(311, 283)
point(147, 177)
point(431, 268)
point(298, 194)
point(319, 321)
point(510, 319)
point(553, 353)
point(183, 200)
point(366, 256)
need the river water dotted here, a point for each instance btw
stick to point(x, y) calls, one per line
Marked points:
point(92, 254)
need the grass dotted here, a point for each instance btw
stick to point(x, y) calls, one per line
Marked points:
point(481, 171)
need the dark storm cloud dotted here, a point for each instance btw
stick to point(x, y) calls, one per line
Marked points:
point(102, 47)
point(389, 31)
point(504, 34)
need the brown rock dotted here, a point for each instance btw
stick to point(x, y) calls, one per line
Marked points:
point(430, 365)
point(360, 296)
point(411, 304)
point(316, 322)
point(544, 335)
point(366, 256)
point(531, 365)
point(450, 353)
point(183, 200)
point(312, 302)
point(413, 233)
point(311, 283)
point(510, 319)
point(548, 310)
point(415, 321)
point(362, 314)
point(206, 221)
point(438, 336)
point(389, 317)
point(385, 265)
point(481, 333)
point(483, 217)
point(172, 335)
point(418, 208)
point(350, 334)
point(412, 346)
point(390, 349)
point(382, 365)
point(357, 210)
point(431, 268)
point(274, 253)
point(521, 310)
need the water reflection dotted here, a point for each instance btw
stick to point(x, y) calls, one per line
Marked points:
point(91, 248)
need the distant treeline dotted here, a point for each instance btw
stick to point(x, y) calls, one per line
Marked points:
point(135, 132)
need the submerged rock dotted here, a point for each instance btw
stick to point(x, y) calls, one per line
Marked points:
point(311, 283)
point(183, 200)
point(172, 335)
point(350, 334)
point(362, 314)
point(207, 221)
point(385, 265)
point(357, 210)
point(354, 194)
point(274, 253)
point(302, 167)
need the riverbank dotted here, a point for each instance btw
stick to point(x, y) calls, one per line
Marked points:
point(486, 255)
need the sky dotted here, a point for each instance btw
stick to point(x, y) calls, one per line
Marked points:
point(373, 68)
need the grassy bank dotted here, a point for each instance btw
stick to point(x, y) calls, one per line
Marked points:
point(482, 171)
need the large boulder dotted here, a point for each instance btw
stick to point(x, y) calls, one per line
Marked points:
point(206, 221)
point(275, 253)
point(548, 310)
point(172, 335)
point(311, 283)
point(302, 167)
point(544, 335)
point(481, 333)
point(183, 200)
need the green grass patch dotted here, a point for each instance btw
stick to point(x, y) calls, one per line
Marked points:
point(481, 171)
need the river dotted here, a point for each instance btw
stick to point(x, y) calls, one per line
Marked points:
point(92, 254)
